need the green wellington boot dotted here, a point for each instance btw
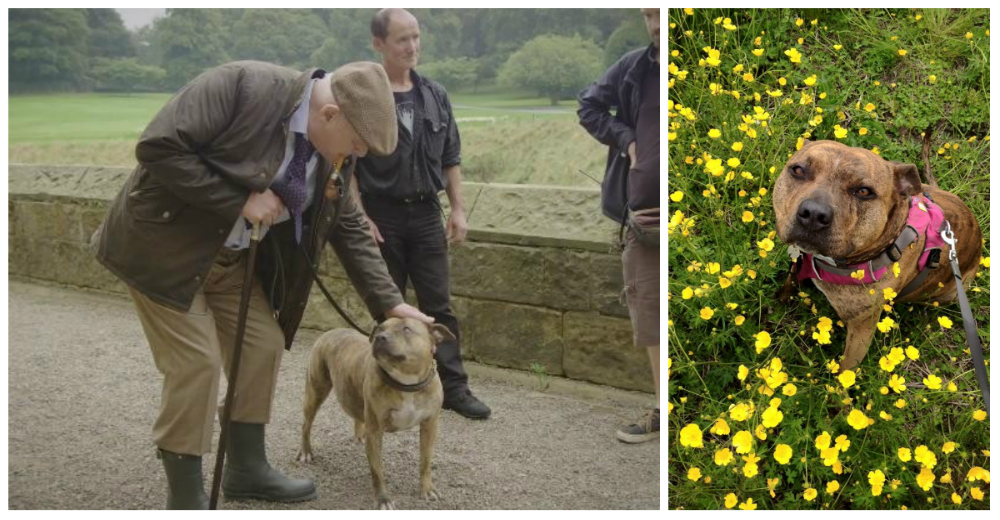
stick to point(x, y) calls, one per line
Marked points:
point(248, 475)
point(186, 489)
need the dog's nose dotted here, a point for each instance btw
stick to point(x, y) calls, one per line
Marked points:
point(814, 215)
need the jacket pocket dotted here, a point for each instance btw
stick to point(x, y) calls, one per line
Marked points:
point(437, 133)
point(154, 204)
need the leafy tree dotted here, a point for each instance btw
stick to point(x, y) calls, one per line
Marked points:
point(46, 49)
point(192, 40)
point(631, 34)
point(454, 74)
point(126, 75)
point(554, 66)
point(282, 36)
point(108, 36)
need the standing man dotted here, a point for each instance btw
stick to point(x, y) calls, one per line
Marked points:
point(632, 183)
point(243, 143)
point(400, 195)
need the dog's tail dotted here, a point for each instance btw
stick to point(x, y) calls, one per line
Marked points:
point(925, 153)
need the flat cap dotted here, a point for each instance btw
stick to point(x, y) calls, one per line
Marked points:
point(365, 98)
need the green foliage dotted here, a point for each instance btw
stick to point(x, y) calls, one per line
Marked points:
point(192, 41)
point(108, 37)
point(281, 36)
point(554, 66)
point(629, 36)
point(126, 75)
point(852, 85)
point(47, 49)
point(454, 74)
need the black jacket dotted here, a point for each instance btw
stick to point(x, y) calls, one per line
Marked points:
point(433, 146)
point(618, 88)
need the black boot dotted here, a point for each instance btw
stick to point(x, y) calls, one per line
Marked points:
point(185, 487)
point(248, 475)
point(466, 405)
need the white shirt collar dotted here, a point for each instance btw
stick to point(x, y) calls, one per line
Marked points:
point(300, 119)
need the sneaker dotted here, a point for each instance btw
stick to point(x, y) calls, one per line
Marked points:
point(645, 430)
point(466, 405)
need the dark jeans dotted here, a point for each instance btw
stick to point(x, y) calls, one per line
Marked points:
point(416, 249)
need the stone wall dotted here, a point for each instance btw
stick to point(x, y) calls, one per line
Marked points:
point(536, 282)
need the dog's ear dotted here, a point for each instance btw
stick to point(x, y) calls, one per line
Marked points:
point(440, 333)
point(906, 178)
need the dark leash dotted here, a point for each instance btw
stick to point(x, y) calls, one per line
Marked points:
point(329, 297)
point(968, 320)
point(234, 365)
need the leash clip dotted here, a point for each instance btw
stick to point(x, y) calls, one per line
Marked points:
point(949, 237)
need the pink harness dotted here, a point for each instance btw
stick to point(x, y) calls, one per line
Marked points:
point(925, 218)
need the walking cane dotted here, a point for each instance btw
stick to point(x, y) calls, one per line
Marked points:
point(234, 365)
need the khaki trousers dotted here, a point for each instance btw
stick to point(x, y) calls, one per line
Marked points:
point(190, 348)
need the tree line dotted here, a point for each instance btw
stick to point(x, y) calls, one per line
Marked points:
point(551, 52)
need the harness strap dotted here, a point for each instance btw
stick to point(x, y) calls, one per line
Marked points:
point(933, 261)
point(890, 255)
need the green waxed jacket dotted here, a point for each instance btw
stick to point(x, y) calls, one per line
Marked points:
point(219, 138)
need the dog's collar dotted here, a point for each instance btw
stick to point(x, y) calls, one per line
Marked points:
point(416, 387)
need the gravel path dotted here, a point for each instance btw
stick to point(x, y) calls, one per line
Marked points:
point(83, 393)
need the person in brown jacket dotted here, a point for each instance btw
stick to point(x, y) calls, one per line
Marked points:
point(243, 143)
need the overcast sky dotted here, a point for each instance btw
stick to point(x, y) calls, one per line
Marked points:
point(136, 18)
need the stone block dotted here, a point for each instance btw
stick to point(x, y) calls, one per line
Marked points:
point(515, 336)
point(599, 349)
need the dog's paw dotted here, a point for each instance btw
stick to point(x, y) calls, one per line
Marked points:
point(430, 495)
point(305, 456)
point(386, 503)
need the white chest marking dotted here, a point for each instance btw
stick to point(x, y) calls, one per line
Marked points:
point(407, 415)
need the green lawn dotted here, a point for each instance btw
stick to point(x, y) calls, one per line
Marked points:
point(510, 138)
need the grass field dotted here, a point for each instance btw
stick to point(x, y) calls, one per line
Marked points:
point(509, 139)
point(760, 416)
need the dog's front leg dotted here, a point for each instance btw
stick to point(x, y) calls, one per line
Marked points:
point(428, 435)
point(859, 336)
point(373, 448)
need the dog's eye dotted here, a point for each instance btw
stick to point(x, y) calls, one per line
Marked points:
point(798, 172)
point(407, 330)
point(864, 192)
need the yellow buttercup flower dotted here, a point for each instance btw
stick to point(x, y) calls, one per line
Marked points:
point(743, 441)
point(933, 382)
point(925, 479)
point(810, 81)
point(706, 313)
point(832, 487)
point(886, 324)
point(715, 133)
point(758, 52)
point(846, 378)
point(687, 293)
point(731, 500)
point(763, 341)
point(771, 417)
point(721, 427)
point(749, 505)
point(723, 457)
point(677, 196)
point(877, 480)
point(839, 132)
point(739, 320)
point(857, 419)
point(945, 322)
point(869, 107)
point(948, 447)
point(783, 453)
point(979, 415)
point(902, 52)
point(898, 384)
point(694, 474)
point(713, 57)
point(747, 217)
point(810, 494)
point(691, 436)
point(742, 373)
point(904, 454)
point(794, 55)
point(842, 443)
point(823, 441)
point(789, 390)
point(837, 47)
point(912, 353)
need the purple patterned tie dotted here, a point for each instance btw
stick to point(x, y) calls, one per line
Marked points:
point(293, 190)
